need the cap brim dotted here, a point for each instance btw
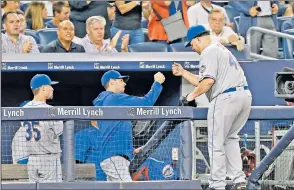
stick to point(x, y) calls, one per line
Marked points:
point(187, 44)
point(54, 82)
point(125, 78)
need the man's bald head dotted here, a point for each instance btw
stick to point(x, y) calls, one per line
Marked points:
point(67, 23)
point(66, 31)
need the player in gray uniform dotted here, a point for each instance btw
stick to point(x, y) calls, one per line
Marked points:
point(223, 80)
point(42, 137)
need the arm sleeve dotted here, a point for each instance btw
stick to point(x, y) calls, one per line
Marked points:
point(208, 65)
point(148, 100)
point(35, 48)
point(81, 145)
point(79, 5)
point(242, 7)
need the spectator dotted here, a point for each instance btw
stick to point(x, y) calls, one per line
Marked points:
point(111, 11)
point(289, 24)
point(64, 42)
point(156, 30)
point(22, 21)
point(9, 6)
point(261, 14)
point(117, 135)
point(81, 10)
point(48, 5)
point(35, 15)
point(61, 12)
point(128, 16)
point(198, 14)
point(220, 32)
point(94, 41)
point(12, 40)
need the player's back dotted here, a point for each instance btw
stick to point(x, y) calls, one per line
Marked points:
point(42, 137)
point(228, 72)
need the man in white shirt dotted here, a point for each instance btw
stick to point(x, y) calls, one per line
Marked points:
point(220, 32)
point(198, 13)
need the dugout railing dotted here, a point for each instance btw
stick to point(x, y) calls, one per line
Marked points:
point(182, 115)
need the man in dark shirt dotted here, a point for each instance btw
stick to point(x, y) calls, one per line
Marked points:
point(64, 44)
point(81, 10)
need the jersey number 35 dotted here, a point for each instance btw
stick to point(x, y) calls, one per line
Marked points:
point(32, 130)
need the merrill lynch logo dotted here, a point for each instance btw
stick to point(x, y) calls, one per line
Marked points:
point(154, 111)
point(74, 112)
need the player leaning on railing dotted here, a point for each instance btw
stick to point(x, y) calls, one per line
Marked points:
point(117, 143)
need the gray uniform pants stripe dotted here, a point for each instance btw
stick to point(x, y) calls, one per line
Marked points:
point(227, 114)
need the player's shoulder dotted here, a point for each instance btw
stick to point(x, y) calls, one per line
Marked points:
point(36, 104)
point(212, 49)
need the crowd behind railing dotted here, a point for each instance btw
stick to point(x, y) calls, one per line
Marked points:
point(119, 26)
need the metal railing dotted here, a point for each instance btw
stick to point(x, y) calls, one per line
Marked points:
point(266, 31)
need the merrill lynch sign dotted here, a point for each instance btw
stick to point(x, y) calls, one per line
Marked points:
point(157, 111)
point(119, 113)
point(75, 112)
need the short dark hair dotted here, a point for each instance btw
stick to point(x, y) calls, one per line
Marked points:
point(57, 6)
point(4, 17)
point(3, 4)
point(293, 7)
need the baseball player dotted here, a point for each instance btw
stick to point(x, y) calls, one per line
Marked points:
point(117, 142)
point(19, 148)
point(223, 81)
point(42, 137)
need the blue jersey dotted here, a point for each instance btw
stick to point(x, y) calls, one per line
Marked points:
point(153, 169)
point(117, 135)
point(88, 149)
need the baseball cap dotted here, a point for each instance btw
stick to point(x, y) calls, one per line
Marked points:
point(112, 74)
point(41, 80)
point(193, 32)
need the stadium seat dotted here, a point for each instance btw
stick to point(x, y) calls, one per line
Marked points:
point(236, 24)
point(180, 47)
point(32, 33)
point(40, 47)
point(24, 6)
point(282, 10)
point(288, 46)
point(232, 13)
point(148, 47)
point(240, 55)
point(281, 20)
point(46, 36)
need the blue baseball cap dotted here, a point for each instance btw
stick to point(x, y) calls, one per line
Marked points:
point(194, 32)
point(41, 80)
point(112, 74)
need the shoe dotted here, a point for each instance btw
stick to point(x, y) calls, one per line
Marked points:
point(239, 186)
